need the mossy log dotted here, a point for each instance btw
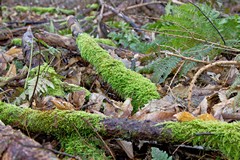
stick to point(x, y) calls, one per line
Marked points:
point(42, 10)
point(126, 82)
point(66, 125)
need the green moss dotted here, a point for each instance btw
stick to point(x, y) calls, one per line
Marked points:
point(38, 10)
point(93, 6)
point(56, 122)
point(126, 82)
point(42, 10)
point(59, 88)
point(70, 127)
point(105, 41)
point(67, 11)
point(16, 41)
point(72, 88)
point(226, 136)
point(85, 147)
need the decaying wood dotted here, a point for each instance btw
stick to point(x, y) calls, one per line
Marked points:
point(15, 145)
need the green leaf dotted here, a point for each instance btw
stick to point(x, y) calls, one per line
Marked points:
point(159, 155)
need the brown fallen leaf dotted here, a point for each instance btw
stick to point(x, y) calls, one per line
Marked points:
point(62, 105)
point(186, 116)
point(12, 71)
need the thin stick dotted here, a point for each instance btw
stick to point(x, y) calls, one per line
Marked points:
point(182, 57)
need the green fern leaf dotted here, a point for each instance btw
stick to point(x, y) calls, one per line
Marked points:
point(159, 155)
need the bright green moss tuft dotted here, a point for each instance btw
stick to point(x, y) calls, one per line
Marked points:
point(42, 10)
point(105, 41)
point(126, 82)
point(16, 41)
point(226, 136)
point(86, 148)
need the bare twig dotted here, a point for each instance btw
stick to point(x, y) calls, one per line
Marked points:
point(123, 16)
point(183, 57)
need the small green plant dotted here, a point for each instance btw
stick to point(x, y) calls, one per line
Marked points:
point(157, 154)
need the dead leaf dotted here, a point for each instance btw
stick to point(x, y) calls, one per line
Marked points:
point(97, 99)
point(206, 117)
point(126, 109)
point(184, 117)
point(62, 105)
point(77, 98)
point(12, 71)
point(127, 147)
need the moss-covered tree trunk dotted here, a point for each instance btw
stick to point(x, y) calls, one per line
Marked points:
point(66, 125)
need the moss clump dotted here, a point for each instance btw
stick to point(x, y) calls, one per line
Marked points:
point(105, 41)
point(42, 10)
point(56, 122)
point(126, 82)
point(16, 41)
point(85, 147)
point(225, 136)
point(48, 73)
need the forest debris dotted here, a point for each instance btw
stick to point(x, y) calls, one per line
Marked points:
point(15, 145)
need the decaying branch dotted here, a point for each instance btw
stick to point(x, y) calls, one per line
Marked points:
point(62, 123)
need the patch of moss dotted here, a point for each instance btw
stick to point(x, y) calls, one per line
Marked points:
point(42, 10)
point(86, 148)
point(60, 88)
point(70, 127)
point(16, 41)
point(67, 11)
point(105, 41)
point(93, 6)
point(126, 82)
point(225, 136)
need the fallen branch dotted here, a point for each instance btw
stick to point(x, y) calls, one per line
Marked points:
point(65, 124)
